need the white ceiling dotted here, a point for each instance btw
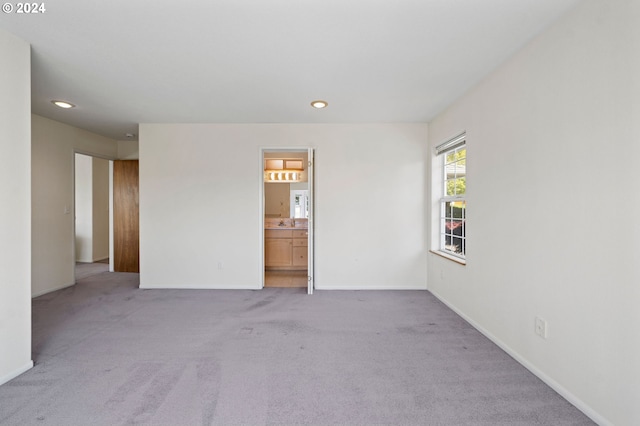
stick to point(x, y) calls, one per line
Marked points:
point(124, 62)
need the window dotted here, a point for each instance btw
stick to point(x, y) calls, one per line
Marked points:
point(453, 202)
point(299, 203)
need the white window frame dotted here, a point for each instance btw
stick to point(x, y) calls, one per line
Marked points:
point(447, 234)
point(304, 203)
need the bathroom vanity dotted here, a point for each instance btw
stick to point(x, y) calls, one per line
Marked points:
point(285, 244)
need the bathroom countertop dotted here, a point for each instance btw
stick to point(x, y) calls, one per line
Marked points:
point(285, 223)
point(285, 227)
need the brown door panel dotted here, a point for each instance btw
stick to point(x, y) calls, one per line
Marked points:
point(126, 231)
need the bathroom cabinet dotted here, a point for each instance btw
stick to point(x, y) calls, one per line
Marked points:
point(285, 249)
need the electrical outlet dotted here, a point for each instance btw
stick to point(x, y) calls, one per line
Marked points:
point(220, 265)
point(541, 327)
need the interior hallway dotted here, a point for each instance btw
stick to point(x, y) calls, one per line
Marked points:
point(84, 269)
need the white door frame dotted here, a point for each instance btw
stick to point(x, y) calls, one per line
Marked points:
point(310, 175)
point(312, 219)
point(72, 209)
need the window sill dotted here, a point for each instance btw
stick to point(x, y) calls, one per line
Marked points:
point(448, 256)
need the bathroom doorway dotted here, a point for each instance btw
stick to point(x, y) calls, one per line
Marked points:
point(287, 217)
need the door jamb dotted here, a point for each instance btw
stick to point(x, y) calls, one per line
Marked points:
point(111, 159)
point(263, 150)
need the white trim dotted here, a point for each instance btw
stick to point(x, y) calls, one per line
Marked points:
point(447, 255)
point(577, 402)
point(453, 143)
point(366, 287)
point(453, 198)
point(51, 290)
point(311, 168)
point(201, 287)
point(7, 377)
point(260, 230)
point(297, 149)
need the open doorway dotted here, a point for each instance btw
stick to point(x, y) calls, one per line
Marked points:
point(288, 218)
point(92, 210)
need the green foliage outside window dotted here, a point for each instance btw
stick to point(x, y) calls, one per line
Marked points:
point(455, 167)
point(457, 186)
point(459, 155)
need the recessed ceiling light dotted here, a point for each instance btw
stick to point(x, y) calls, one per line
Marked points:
point(319, 104)
point(63, 104)
point(130, 135)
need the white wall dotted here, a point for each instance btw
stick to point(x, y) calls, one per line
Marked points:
point(200, 203)
point(553, 207)
point(84, 208)
point(100, 208)
point(128, 150)
point(53, 146)
point(15, 208)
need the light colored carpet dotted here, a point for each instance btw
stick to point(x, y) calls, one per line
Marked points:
point(84, 269)
point(108, 353)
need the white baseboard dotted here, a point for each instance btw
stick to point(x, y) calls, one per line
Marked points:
point(254, 287)
point(4, 379)
point(198, 287)
point(577, 402)
point(49, 290)
point(92, 260)
point(370, 287)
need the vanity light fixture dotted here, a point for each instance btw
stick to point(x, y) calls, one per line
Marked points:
point(284, 170)
point(63, 104)
point(319, 104)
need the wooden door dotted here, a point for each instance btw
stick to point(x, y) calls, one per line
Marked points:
point(126, 245)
